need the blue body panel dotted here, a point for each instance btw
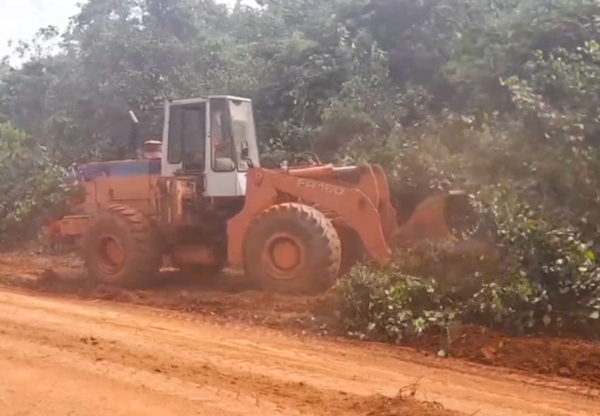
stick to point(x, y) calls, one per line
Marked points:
point(91, 171)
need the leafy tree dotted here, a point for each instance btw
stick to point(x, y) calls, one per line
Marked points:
point(32, 185)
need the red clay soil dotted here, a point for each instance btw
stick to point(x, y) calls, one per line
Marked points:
point(569, 358)
point(59, 354)
point(382, 406)
point(230, 300)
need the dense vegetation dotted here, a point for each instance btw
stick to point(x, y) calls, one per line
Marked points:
point(499, 97)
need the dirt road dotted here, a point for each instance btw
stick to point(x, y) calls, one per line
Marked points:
point(67, 357)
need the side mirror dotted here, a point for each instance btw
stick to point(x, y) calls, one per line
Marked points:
point(133, 118)
point(133, 137)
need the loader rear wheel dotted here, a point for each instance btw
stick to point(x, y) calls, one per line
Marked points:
point(292, 248)
point(121, 246)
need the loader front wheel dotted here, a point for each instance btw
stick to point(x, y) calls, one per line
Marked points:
point(292, 248)
point(352, 249)
point(120, 246)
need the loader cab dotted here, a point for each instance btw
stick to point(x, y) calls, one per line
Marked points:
point(213, 138)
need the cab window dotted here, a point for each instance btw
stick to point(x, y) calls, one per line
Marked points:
point(222, 146)
point(187, 132)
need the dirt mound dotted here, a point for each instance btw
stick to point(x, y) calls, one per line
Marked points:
point(569, 358)
point(561, 357)
point(384, 406)
point(229, 298)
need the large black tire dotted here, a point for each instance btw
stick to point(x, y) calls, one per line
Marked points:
point(121, 246)
point(313, 249)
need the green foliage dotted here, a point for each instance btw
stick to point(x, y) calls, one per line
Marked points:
point(559, 267)
point(548, 280)
point(31, 185)
point(389, 305)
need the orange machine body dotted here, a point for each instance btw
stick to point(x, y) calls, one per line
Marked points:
point(355, 197)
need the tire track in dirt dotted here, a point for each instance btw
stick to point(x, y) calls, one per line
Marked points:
point(146, 352)
point(137, 358)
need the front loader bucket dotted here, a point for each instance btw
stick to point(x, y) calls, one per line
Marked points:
point(449, 218)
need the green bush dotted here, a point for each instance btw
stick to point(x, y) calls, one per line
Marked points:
point(548, 280)
point(31, 186)
point(388, 305)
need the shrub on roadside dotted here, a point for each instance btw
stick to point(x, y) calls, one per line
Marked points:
point(31, 185)
point(388, 305)
point(548, 281)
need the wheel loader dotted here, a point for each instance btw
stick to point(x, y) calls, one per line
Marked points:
point(201, 200)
